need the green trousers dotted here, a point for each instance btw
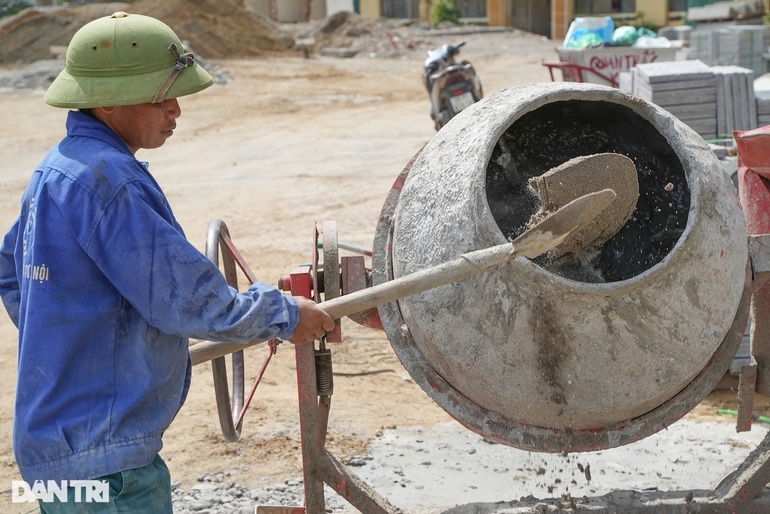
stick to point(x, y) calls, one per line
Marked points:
point(135, 491)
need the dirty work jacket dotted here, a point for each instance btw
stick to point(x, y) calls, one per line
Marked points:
point(106, 290)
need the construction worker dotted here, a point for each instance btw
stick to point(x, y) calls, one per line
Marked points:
point(105, 289)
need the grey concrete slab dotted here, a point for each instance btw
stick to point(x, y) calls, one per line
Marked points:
point(670, 71)
point(686, 80)
point(684, 96)
point(694, 111)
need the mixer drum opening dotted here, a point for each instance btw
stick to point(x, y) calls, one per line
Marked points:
point(557, 132)
point(554, 359)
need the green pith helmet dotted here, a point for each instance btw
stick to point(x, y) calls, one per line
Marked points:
point(125, 59)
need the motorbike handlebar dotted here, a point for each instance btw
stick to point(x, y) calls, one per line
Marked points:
point(443, 53)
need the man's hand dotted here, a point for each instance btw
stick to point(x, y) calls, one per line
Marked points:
point(313, 322)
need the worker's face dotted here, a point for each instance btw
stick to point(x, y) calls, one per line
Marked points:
point(143, 125)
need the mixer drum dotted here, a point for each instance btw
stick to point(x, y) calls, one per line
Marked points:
point(593, 352)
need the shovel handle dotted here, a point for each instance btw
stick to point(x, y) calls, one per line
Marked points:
point(460, 268)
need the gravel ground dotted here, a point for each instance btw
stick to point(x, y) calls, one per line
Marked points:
point(216, 494)
point(446, 468)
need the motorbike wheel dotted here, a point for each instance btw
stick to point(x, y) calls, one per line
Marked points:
point(444, 115)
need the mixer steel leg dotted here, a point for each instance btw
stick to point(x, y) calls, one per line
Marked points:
point(318, 464)
point(744, 484)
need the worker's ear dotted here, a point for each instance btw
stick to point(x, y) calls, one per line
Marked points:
point(105, 110)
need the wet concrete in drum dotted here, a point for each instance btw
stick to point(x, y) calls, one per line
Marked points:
point(558, 132)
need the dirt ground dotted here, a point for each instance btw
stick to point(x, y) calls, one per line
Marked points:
point(288, 142)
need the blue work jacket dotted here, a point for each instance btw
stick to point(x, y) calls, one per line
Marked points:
point(106, 290)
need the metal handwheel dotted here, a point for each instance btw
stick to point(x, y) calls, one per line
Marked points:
point(228, 408)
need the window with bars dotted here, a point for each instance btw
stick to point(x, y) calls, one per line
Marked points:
point(677, 5)
point(472, 8)
point(607, 6)
point(408, 9)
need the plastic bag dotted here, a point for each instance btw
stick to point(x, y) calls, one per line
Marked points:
point(601, 27)
point(586, 40)
point(645, 32)
point(625, 36)
point(652, 42)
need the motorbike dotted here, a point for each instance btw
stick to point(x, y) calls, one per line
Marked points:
point(452, 85)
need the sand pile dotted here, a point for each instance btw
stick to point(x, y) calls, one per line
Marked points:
point(213, 28)
point(217, 29)
point(29, 35)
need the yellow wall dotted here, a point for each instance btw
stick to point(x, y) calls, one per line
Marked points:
point(653, 11)
point(371, 9)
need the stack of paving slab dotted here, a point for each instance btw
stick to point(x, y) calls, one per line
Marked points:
point(730, 33)
point(745, 46)
point(738, 45)
point(719, 11)
point(712, 100)
point(686, 89)
point(763, 107)
point(736, 102)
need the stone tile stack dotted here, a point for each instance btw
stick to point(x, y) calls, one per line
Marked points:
point(712, 100)
point(763, 107)
point(686, 89)
point(736, 103)
point(743, 45)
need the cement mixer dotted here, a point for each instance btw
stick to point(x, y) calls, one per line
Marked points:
point(585, 347)
point(571, 356)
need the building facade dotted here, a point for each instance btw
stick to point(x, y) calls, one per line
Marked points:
point(550, 18)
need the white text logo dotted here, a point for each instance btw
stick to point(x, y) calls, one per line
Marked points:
point(85, 491)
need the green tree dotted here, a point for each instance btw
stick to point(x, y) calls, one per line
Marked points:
point(445, 10)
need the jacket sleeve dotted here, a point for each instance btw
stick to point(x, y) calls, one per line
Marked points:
point(142, 251)
point(9, 282)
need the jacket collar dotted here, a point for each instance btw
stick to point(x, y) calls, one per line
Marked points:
point(82, 124)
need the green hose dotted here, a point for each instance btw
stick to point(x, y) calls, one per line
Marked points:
point(763, 419)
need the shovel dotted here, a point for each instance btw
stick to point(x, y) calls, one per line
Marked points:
point(536, 241)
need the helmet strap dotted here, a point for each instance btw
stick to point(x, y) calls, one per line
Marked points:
point(182, 62)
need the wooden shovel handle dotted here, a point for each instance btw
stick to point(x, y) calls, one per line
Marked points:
point(535, 241)
point(462, 267)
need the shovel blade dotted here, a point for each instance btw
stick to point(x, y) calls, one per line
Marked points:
point(554, 229)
